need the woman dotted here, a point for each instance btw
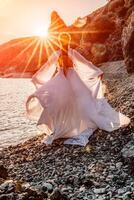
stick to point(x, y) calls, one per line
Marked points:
point(69, 102)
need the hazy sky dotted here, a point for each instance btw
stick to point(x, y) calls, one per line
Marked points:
point(20, 18)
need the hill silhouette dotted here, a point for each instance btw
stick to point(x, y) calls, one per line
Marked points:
point(107, 34)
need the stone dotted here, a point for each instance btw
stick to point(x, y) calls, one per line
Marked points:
point(87, 182)
point(47, 187)
point(25, 186)
point(99, 190)
point(8, 186)
point(23, 196)
point(118, 165)
point(10, 196)
point(57, 195)
point(121, 191)
point(101, 198)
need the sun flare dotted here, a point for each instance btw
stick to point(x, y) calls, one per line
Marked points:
point(41, 31)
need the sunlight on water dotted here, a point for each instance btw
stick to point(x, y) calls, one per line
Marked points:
point(15, 127)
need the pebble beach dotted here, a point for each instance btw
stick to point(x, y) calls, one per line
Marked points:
point(102, 170)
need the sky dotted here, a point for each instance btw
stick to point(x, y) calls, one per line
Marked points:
point(20, 18)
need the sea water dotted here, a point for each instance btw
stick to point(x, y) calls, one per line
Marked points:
point(15, 127)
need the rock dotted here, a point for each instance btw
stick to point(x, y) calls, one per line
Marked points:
point(114, 45)
point(115, 5)
point(87, 182)
point(99, 53)
point(121, 191)
point(98, 30)
point(127, 43)
point(85, 50)
point(31, 192)
point(11, 196)
point(57, 24)
point(47, 187)
point(70, 180)
point(65, 190)
point(80, 22)
point(119, 180)
point(101, 198)
point(3, 172)
point(24, 186)
point(57, 195)
point(10, 63)
point(23, 196)
point(7, 187)
point(99, 190)
point(129, 3)
point(118, 165)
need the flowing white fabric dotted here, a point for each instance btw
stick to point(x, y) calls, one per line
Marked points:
point(72, 106)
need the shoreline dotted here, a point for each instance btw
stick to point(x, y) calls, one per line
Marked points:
point(16, 75)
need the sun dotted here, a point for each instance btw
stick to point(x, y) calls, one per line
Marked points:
point(41, 31)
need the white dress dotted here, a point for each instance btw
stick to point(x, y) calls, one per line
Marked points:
point(72, 106)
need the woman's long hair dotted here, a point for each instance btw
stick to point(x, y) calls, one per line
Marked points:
point(64, 61)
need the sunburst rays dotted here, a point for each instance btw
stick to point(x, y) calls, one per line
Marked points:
point(22, 51)
point(40, 53)
point(31, 57)
point(46, 48)
point(44, 45)
point(16, 43)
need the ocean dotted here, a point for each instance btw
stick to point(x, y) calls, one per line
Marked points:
point(15, 127)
